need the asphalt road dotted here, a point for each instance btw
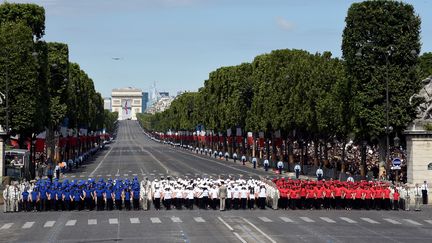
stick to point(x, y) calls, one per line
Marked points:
point(135, 155)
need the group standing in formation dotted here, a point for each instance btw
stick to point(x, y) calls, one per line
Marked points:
point(206, 193)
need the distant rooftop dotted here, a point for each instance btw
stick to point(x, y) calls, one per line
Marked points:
point(127, 89)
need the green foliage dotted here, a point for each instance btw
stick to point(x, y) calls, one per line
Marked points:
point(19, 69)
point(31, 15)
point(386, 34)
point(58, 60)
point(425, 63)
point(109, 121)
point(428, 127)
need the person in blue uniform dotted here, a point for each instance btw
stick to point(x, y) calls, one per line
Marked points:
point(88, 197)
point(136, 196)
point(109, 197)
point(25, 200)
point(67, 199)
point(118, 194)
point(59, 201)
point(127, 198)
point(52, 198)
point(35, 199)
point(100, 191)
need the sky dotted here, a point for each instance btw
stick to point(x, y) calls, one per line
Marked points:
point(177, 43)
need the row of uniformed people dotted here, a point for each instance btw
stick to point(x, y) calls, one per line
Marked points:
point(42, 195)
point(206, 193)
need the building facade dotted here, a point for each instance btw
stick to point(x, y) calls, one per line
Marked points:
point(107, 103)
point(127, 102)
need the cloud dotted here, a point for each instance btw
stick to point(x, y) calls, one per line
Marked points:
point(284, 24)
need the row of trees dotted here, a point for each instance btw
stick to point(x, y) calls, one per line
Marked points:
point(316, 97)
point(42, 87)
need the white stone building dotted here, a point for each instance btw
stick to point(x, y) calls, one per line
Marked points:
point(127, 102)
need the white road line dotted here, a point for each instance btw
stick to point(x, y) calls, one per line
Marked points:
point(226, 224)
point(152, 174)
point(134, 220)
point(92, 221)
point(6, 226)
point(100, 163)
point(73, 176)
point(142, 172)
point(130, 171)
point(134, 174)
point(239, 237)
point(125, 174)
point(328, 220)
point(412, 222)
point(28, 225)
point(307, 219)
point(71, 222)
point(348, 220)
point(199, 219)
point(117, 174)
point(113, 221)
point(49, 224)
point(99, 175)
point(81, 176)
point(392, 221)
point(261, 232)
point(287, 220)
point(265, 219)
point(109, 175)
point(160, 163)
point(176, 220)
point(155, 220)
point(428, 221)
point(370, 220)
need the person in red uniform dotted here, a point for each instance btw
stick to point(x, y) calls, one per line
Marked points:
point(378, 198)
point(396, 196)
point(303, 193)
point(294, 198)
point(328, 195)
point(386, 193)
point(358, 198)
point(367, 197)
point(348, 197)
point(310, 197)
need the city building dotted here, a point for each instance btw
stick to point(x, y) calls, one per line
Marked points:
point(145, 100)
point(161, 105)
point(107, 103)
point(127, 102)
point(163, 94)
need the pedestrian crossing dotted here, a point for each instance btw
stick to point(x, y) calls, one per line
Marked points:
point(201, 220)
point(154, 174)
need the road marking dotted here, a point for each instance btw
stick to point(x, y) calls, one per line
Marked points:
point(287, 220)
point(92, 221)
point(113, 221)
point(160, 163)
point(117, 174)
point(49, 224)
point(239, 237)
point(130, 171)
point(428, 221)
point(412, 222)
point(307, 219)
point(265, 219)
point(261, 232)
point(81, 176)
point(176, 220)
point(73, 176)
point(199, 219)
point(328, 220)
point(28, 225)
point(392, 221)
point(370, 220)
point(134, 220)
point(6, 226)
point(125, 174)
point(348, 220)
point(226, 224)
point(155, 220)
point(152, 174)
point(100, 163)
point(142, 172)
point(109, 175)
point(71, 223)
point(134, 174)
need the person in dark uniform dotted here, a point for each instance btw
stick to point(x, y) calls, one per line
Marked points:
point(118, 195)
point(127, 198)
point(25, 200)
point(100, 201)
point(109, 197)
point(67, 199)
point(59, 201)
point(52, 198)
point(43, 197)
point(88, 197)
point(135, 196)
